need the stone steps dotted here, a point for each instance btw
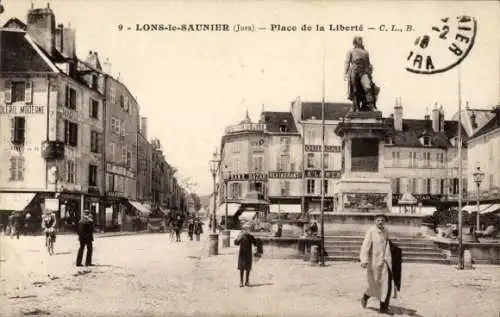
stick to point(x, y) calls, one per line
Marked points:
point(346, 248)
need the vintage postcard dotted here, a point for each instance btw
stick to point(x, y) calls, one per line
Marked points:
point(249, 158)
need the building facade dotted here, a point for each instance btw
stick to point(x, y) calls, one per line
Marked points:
point(484, 152)
point(308, 117)
point(144, 165)
point(52, 120)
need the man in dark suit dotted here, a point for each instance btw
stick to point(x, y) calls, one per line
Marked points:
point(86, 237)
point(245, 241)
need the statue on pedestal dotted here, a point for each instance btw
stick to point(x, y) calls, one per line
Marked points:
point(358, 73)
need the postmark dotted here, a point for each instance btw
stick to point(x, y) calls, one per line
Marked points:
point(443, 47)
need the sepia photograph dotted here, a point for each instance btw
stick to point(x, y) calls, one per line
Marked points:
point(282, 158)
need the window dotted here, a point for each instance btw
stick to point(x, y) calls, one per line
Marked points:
point(236, 147)
point(427, 159)
point(310, 186)
point(116, 125)
point(95, 82)
point(110, 183)
point(235, 190)
point(440, 159)
point(236, 165)
point(17, 168)
point(325, 160)
point(426, 140)
point(310, 160)
point(129, 159)
point(325, 186)
point(94, 108)
point(18, 91)
point(257, 163)
point(122, 124)
point(412, 182)
point(70, 98)
point(112, 95)
point(124, 154)
point(491, 183)
point(94, 141)
point(70, 172)
point(127, 104)
point(285, 144)
point(395, 182)
point(92, 175)
point(454, 186)
point(18, 130)
point(283, 127)
point(112, 151)
point(413, 159)
point(441, 187)
point(122, 101)
point(285, 188)
point(70, 133)
point(283, 163)
point(428, 186)
point(395, 159)
point(311, 137)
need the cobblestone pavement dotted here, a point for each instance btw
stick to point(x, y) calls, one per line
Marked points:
point(149, 275)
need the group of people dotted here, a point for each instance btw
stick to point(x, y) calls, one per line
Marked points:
point(176, 224)
point(18, 223)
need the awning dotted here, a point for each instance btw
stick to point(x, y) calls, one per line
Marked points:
point(15, 201)
point(407, 199)
point(288, 209)
point(232, 208)
point(473, 208)
point(490, 209)
point(428, 211)
point(247, 215)
point(140, 207)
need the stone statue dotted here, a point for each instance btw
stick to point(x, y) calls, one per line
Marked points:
point(361, 89)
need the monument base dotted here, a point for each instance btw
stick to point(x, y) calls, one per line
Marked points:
point(359, 194)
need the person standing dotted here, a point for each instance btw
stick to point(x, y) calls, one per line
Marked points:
point(191, 229)
point(376, 258)
point(86, 237)
point(198, 229)
point(15, 224)
point(246, 240)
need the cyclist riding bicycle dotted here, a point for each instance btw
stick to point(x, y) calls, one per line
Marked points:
point(49, 226)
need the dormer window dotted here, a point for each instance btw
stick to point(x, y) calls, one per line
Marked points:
point(283, 128)
point(426, 140)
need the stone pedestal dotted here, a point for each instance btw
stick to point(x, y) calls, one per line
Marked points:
point(226, 239)
point(213, 247)
point(362, 187)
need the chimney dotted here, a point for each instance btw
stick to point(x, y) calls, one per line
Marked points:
point(59, 37)
point(106, 66)
point(42, 28)
point(69, 42)
point(436, 119)
point(441, 119)
point(144, 127)
point(398, 116)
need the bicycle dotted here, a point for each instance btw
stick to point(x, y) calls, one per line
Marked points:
point(50, 241)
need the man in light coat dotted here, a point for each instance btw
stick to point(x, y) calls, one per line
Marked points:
point(376, 258)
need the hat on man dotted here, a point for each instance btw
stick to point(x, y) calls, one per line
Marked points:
point(381, 216)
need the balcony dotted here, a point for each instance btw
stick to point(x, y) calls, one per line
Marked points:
point(245, 127)
point(52, 150)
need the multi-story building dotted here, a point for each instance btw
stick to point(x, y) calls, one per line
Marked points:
point(51, 120)
point(421, 157)
point(243, 167)
point(309, 119)
point(282, 162)
point(484, 152)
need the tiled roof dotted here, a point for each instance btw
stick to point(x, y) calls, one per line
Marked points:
point(333, 110)
point(17, 54)
point(414, 129)
point(274, 120)
point(493, 124)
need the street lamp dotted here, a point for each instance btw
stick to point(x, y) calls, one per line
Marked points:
point(226, 235)
point(478, 179)
point(214, 237)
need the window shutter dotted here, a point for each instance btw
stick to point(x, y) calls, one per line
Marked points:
point(123, 128)
point(66, 132)
point(90, 107)
point(12, 129)
point(20, 168)
point(12, 168)
point(28, 92)
point(66, 96)
point(8, 92)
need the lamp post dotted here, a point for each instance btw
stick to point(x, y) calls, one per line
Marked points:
point(226, 235)
point(478, 179)
point(214, 237)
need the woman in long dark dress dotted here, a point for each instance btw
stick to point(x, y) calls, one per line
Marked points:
point(246, 240)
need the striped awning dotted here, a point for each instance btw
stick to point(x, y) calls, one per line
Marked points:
point(473, 208)
point(15, 201)
point(232, 209)
point(491, 209)
point(140, 207)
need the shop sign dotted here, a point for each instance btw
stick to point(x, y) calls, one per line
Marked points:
point(22, 109)
point(120, 170)
point(317, 174)
point(285, 175)
point(328, 148)
point(247, 176)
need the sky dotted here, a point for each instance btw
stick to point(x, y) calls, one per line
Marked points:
point(191, 85)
